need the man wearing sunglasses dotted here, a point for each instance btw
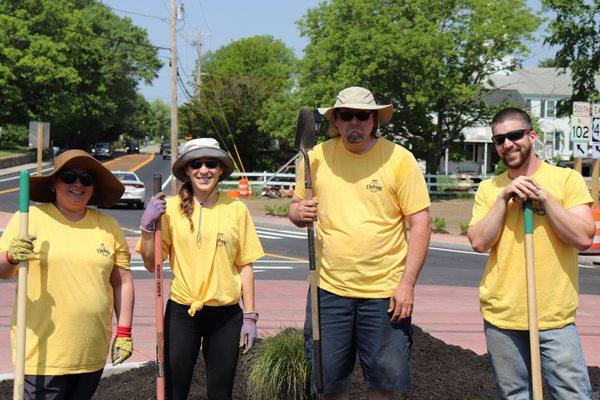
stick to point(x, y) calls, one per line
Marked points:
point(368, 191)
point(563, 224)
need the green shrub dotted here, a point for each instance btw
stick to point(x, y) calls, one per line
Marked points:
point(500, 168)
point(277, 368)
point(14, 135)
point(464, 227)
point(439, 225)
point(279, 211)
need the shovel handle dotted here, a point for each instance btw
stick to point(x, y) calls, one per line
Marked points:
point(159, 304)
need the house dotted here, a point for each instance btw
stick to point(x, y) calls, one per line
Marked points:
point(536, 89)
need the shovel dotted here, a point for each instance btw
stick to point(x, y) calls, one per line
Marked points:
point(19, 382)
point(534, 339)
point(159, 305)
point(305, 140)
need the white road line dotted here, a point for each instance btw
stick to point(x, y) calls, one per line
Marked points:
point(260, 235)
point(279, 235)
point(17, 177)
point(458, 251)
point(279, 262)
point(166, 183)
point(301, 233)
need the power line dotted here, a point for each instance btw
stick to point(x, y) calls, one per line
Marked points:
point(112, 39)
point(138, 14)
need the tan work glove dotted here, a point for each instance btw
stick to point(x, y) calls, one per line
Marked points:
point(20, 249)
point(122, 346)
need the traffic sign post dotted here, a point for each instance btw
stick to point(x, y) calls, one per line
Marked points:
point(39, 137)
point(596, 153)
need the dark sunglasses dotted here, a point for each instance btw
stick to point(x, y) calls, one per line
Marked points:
point(360, 115)
point(197, 164)
point(512, 136)
point(70, 176)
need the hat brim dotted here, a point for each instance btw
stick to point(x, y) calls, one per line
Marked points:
point(108, 190)
point(178, 169)
point(384, 114)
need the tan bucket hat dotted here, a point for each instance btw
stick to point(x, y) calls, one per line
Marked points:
point(107, 188)
point(202, 148)
point(360, 99)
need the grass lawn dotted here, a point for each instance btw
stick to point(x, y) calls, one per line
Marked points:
point(10, 153)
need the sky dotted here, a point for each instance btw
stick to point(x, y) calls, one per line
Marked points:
point(222, 21)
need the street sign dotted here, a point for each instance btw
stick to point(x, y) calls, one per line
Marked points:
point(581, 128)
point(33, 134)
point(580, 150)
point(596, 150)
point(581, 108)
point(596, 110)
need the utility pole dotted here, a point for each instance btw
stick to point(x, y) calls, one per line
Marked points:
point(174, 133)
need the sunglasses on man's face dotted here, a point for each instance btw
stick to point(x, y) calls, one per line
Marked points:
point(360, 115)
point(513, 136)
point(197, 164)
point(70, 176)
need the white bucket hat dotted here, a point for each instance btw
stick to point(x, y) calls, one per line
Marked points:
point(360, 99)
point(202, 148)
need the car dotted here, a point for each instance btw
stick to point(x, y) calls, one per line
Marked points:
point(135, 190)
point(166, 151)
point(102, 150)
point(132, 147)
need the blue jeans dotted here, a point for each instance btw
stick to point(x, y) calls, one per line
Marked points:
point(350, 326)
point(563, 367)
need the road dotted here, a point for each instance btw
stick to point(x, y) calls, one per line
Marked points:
point(286, 248)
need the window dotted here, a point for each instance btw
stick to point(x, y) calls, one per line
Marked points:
point(550, 108)
point(557, 140)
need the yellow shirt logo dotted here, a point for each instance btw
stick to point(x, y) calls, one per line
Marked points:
point(221, 239)
point(374, 186)
point(103, 250)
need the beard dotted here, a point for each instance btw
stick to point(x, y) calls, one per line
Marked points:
point(355, 138)
point(524, 153)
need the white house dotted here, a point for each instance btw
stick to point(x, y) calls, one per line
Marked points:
point(537, 89)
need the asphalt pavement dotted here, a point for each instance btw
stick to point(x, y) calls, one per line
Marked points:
point(446, 298)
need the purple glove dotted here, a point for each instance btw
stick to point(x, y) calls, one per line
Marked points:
point(154, 210)
point(249, 332)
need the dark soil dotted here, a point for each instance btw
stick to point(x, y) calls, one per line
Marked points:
point(439, 371)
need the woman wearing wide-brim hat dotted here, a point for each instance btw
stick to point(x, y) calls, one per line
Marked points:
point(78, 274)
point(211, 243)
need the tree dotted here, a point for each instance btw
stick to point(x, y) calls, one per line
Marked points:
point(575, 29)
point(430, 59)
point(242, 80)
point(73, 63)
point(158, 122)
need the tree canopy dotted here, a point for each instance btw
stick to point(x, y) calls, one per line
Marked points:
point(430, 59)
point(73, 63)
point(575, 30)
point(240, 82)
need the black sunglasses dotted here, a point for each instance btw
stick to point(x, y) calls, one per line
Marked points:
point(512, 136)
point(197, 164)
point(70, 176)
point(360, 115)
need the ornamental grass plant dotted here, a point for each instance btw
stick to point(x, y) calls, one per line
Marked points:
point(277, 368)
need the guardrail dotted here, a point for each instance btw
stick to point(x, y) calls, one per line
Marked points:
point(455, 183)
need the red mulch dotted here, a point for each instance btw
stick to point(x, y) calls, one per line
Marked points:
point(439, 371)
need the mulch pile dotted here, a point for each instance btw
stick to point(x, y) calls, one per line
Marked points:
point(439, 371)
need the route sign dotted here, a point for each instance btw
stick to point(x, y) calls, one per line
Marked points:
point(33, 134)
point(596, 110)
point(581, 128)
point(581, 108)
point(580, 150)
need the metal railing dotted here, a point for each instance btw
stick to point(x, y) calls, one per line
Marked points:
point(454, 183)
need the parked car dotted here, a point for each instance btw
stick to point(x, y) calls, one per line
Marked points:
point(102, 150)
point(132, 147)
point(166, 151)
point(135, 191)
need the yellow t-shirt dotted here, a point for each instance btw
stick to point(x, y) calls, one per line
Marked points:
point(205, 271)
point(69, 295)
point(503, 287)
point(361, 241)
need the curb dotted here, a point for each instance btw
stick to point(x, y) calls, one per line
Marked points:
point(109, 370)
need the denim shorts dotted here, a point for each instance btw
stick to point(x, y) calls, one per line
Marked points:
point(564, 369)
point(350, 325)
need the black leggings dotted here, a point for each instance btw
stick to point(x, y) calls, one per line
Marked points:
point(217, 329)
point(62, 387)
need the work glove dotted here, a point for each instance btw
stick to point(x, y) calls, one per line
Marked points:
point(122, 346)
point(249, 332)
point(20, 249)
point(156, 207)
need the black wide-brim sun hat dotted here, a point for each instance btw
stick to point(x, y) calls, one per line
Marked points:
point(202, 148)
point(107, 188)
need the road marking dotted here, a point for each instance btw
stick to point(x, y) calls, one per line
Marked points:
point(296, 233)
point(278, 235)
point(143, 163)
point(166, 183)
point(33, 172)
point(286, 257)
point(458, 251)
point(260, 235)
point(9, 191)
